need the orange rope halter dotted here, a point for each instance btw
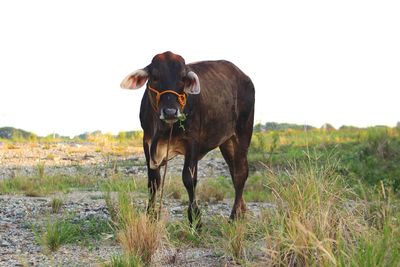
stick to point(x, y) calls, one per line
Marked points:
point(181, 97)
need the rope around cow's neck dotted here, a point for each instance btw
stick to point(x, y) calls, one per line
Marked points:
point(165, 172)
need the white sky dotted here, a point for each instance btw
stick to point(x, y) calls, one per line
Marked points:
point(61, 62)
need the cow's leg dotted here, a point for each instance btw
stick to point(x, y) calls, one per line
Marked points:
point(189, 177)
point(236, 158)
point(153, 182)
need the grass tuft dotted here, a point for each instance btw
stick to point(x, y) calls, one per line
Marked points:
point(139, 234)
point(124, 261)
point(56, 205)
point(56, 233)
point(234, 241)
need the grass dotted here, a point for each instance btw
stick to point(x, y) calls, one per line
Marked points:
point(335, 199)
point(369, 155)
point(56, 205)
point(214, 190)
point(139, 234)
point(56, 232)
point(233, 236)
point(124, 261)
point(42, 185)
point(311, 214)
point(318, 220)
point(182, 234)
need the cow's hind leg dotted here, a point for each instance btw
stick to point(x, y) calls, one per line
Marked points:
point(189, 177)
point(236, 157)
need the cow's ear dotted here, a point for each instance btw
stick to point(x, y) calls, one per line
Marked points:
point(135, 80)
point(192, 84)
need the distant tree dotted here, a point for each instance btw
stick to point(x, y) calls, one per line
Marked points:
point(258, 127)
point(14, 134)
point(348, 127)
point(398, 125)
point(121, 137)
point(327, 127)
point(285, 126)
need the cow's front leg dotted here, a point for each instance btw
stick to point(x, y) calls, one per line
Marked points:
point(189, 176)
point(153, 182)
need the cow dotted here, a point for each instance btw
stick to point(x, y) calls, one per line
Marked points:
point(209, 104)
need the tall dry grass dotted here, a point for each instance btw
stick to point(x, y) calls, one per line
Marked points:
point(314, 210)
point(139, 234)
point(319, 221)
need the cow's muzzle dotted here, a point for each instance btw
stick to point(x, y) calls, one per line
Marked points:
point(170, 115)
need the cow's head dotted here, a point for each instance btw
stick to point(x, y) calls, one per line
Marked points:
point(168, 81)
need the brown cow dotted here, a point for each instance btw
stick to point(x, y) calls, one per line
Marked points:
point(221, 114)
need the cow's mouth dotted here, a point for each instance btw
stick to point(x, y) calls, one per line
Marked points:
point(170, 121)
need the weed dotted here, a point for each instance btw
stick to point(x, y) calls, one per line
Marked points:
point(255, 189)
point(39, 186)
point(40, 170)
point(234, 242)
point(56, 205)
point(111, 207)
point(94, 229)
point(141, 235)
point(11, 146)
point(55, 233)
point(174, 188)
point(181, 233)
point(50, 156)
point(311, 213)
point(214, 190)
point(124, 261)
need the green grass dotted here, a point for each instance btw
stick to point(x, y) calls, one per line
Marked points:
point(56, 205)
point(46, 184)
point(319, 220)
point(124, 261)
point(181, 234)
point(370, 155)
point(56, 232)
point(335, 193)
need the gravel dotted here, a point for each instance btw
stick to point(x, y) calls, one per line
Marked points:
point(19, 214)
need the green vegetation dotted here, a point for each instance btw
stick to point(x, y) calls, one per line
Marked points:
point(333, 194)
point(16, 135)
point(139, 234)
point(317, 220)
point(56, 232)
point(12, 136)
point(56, 205)
point(124, 261)
point(369, 155)
point(42, 185)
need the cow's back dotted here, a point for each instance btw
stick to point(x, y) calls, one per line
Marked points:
point(226, 98)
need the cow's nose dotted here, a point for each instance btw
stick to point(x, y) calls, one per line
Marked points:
point(170, 112)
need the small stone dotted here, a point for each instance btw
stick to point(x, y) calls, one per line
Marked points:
point(4, 243)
